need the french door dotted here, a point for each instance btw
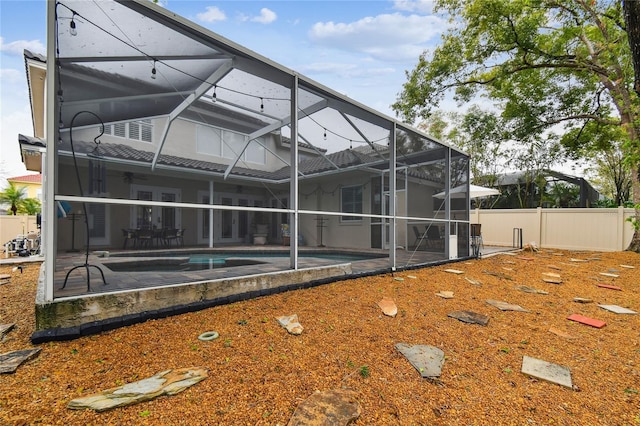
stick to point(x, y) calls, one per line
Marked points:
point(159, 217)
point(229, 226)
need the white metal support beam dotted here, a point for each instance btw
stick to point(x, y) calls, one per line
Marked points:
point(50, 173)
point(210, 213)
point(293, 186)
point(392, 198)
point(274, 126)
point(220, 72)
point(366, 139)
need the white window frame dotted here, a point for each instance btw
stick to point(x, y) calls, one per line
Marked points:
point(228, 143)
point(351, 219)
point(125, 129)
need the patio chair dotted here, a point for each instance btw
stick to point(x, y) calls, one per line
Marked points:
point(128, 234)
point(144, 238)
point(170, 235)
point(476, 238)
point(434, 240)
point(180, 237)
point(420, 238)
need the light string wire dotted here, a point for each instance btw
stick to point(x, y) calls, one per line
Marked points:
point(153, 59)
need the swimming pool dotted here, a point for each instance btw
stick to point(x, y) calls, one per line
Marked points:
point(198, 261)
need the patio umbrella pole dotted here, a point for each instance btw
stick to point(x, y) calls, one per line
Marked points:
point(86, 264)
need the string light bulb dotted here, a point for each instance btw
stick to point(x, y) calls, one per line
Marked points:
point(72, 26)
point(153, 70)
point(350, 144)
point(261, 105)
point(325, 134)
point(214, 98)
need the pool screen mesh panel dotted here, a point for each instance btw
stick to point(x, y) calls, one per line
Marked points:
point(134, 61)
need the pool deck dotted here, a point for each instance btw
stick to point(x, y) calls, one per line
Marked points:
point(121, 281)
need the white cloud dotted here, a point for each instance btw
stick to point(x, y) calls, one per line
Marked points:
point(266, 16)
point(17, 47)
point(212, 14)
point(13, 121)
point(9, 75)
point(344, 70)
point(419, 6)
point(387, 37)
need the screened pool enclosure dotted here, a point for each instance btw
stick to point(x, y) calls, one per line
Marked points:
point(165, 142)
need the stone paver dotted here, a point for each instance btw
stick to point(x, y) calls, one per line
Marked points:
point(388, 307)
point(473, 281)
point(5, 328)
point(168, 382)
point(610, 287)
point(505, 306)
point(528, 289)
point(428, 360)
point(291, 323)
point(617, 309)
point(561, 333)
point(547, 371)
point(608, 274)
point(333, 407)
point(10, 361)
point(586, 320)
point(470, 317)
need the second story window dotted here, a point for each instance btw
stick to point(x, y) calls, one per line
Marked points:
point(227, 144)
point(141, 130)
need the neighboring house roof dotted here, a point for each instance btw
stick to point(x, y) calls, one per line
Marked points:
point(32, 178)
point(521, 177)
point(588, 194)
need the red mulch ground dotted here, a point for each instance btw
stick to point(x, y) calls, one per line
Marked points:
point(258, 374)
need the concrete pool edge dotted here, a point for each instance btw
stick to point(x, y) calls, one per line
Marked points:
point(70, 319)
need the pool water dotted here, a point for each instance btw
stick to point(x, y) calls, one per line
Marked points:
point(170, 262)
point(174, 265)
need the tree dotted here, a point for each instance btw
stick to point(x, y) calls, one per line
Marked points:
point(14, 196)
point(548, 65)
point(611, 175)
point(30, 206)
point(632, 21)
point(478, 133)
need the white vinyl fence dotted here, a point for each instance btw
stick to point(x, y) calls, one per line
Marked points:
point(12, 226)
point(571, 229)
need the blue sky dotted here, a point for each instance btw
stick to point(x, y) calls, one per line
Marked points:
point(359, 48)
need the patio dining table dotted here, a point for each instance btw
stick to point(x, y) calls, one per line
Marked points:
point(146, 237)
